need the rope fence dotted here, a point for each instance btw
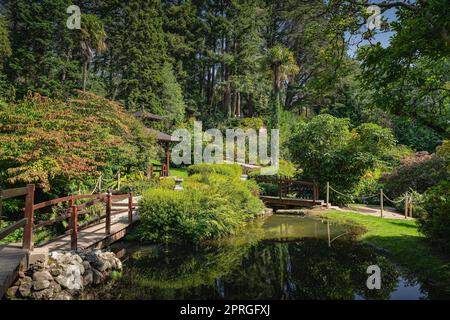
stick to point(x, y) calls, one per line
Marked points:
point(407, 198)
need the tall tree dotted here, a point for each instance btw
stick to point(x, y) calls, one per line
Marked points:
point(93, 37)
point(282, 65)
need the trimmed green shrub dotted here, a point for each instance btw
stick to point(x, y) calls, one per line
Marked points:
point(434, 220)
point(231, 170)
point(210, 206)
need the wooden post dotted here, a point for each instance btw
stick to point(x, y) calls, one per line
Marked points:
point(74, 227)
point(118, 180)
point(328, 195)
point(108, 213)
point(280, 186)
point(381, 202)
point(29, 215)
point(406, 205)
point(168, 158)
point(411, 205)
point(130, 208)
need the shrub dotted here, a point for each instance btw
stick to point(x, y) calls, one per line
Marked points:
point(231, 170)
point(210, 206)
point(418, 172)
point(286, 169)
point(62, 145)
point(434, 220)
point(327, 150)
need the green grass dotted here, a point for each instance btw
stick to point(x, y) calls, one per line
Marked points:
point(407, 246)
point(179, 172)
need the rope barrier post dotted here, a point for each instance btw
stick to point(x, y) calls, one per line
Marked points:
point(411, 205)
point(328, 195)
point(381, 202)
point(406, 205)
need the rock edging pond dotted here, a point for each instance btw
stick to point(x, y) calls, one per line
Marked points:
point(65, 275)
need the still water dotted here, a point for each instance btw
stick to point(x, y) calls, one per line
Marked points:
point(276, 257)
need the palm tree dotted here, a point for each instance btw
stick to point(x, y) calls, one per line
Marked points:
point(282, 65)
point(93, 37)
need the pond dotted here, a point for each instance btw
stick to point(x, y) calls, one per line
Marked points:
point(276, 257)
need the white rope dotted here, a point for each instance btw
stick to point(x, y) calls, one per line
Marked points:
point(396, 201)
point(352, 196)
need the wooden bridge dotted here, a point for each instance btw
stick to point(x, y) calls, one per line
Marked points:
point(119, 215)
point(290, 193)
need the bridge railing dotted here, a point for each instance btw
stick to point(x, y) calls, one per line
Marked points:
point(27, 221)
point(286, 186)
point(72, 212)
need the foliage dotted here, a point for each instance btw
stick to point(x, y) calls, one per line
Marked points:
point(410, 76)
point(286, 169)
point(327, 150)
point(434, 219)
point(62, 145)
point(210, 206)
point(231, 170)
point(418, 172)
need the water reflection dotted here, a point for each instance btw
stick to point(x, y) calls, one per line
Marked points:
point(280, 257)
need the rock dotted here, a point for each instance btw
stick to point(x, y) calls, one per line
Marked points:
point(97, 276)
point(63, 281)
point(86, 265)
point(46, 294)
point(42, 275)
point(71, 278)
point(63, 295)
point(55, 271)
point(88, 278)
point(11, 293)
point(41, 285)
point(25, 286)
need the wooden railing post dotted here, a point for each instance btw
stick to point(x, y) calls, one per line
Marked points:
point(280, 188)
point(406, 205)
point(328, 195)
point(381, 202)
point(73, 226)
point(29, 215)
point(130, 208)
point(108, 213)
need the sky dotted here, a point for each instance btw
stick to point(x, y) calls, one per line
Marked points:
point(382, 37)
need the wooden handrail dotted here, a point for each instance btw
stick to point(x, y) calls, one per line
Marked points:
point(12, 193)
point(10, 229)
point(72, 212)
point(68, 198)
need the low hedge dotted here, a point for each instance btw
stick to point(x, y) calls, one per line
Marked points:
point(210, 206)
point(231, 170)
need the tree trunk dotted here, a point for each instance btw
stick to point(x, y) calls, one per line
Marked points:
point(238, 104)
point(85, 74)
point(250, 104)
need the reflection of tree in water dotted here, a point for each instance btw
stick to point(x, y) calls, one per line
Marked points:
point(304, 269)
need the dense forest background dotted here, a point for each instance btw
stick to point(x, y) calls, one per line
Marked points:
point(345, 118)
point(225, 59)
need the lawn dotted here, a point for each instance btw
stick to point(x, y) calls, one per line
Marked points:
point(406, 245)
point(179, 172)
